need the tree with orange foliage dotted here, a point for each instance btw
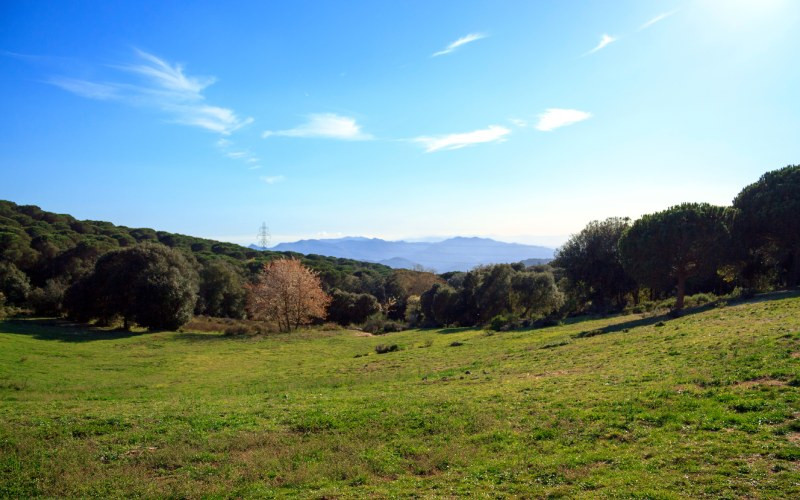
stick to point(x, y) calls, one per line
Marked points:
point(288, 293)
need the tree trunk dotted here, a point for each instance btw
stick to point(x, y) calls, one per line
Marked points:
point(681, 291)
point(125, 324)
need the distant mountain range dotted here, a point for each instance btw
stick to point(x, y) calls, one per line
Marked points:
point(454, 254)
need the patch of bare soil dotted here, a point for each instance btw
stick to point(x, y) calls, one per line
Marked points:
point(764, 381)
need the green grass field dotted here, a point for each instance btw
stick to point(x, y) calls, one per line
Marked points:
point(704, 405)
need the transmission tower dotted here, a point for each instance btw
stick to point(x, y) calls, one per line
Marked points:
point(263, 236)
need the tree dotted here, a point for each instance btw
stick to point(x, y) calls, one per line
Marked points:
point(351, 308)
point(150, 284)
point(288, 293)
point(14, 284)
point(767, 220)
point(404, 283)
point(222, 292)
point(591, 262)
point(445, 305)
point(535, 293)
point(667, 248)
point(493, 295)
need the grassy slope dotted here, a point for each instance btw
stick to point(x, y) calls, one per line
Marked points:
point(704, 405)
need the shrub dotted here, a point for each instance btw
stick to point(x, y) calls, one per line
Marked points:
point(504, 323)
point(47, 301)
point(228, 326)
point(237, 330)
point(740, 293)
point(383, 349)
point(378, 324)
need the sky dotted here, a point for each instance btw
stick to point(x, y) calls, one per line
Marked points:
point(516, 120)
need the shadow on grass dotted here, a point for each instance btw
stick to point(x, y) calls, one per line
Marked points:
point(64, 331)
point(453, 329)
point(207, 336)
point(663, 318)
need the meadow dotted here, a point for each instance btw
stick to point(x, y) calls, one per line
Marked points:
point(626, 406)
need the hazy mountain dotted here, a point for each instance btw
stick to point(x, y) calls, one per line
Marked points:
point(454, 254)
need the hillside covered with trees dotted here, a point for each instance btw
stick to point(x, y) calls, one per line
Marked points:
point(43, 253)
point(53, 264)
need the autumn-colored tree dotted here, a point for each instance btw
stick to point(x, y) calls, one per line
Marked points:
point(288, 293)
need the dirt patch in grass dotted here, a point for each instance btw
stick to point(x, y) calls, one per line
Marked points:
point(556, 373)
point(135, 452)
point(795, 354)
point(764, 381)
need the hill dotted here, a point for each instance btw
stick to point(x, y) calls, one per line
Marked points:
point(47, 245)
point(453, 254)
point(701, 406)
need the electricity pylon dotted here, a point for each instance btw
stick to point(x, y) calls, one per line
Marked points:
point(263, 236)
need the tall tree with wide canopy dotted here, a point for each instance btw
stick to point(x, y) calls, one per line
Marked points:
point(150, 284)
point(591, 262)
point(767, 220)
point(669, 247)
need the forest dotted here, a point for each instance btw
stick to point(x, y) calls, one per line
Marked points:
point(91, 271)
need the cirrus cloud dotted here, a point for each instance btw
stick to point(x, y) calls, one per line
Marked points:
point(493, 133)
point(605, 40)
point(163, 86)
point(472, 37)
point(554, 118)
point(324, 125)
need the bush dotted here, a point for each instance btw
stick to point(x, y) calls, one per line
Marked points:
point(228, 326)
point(740, 293)
point(378, 324)
point(48, 301)
point(346, 308)
point(383, 349)
point(504, 323)
point(233, 331)
point(393, 326)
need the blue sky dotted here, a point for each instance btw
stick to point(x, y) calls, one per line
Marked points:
point(518, 120)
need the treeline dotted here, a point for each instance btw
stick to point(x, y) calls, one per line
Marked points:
point(53, 264)
point(753, 245)
point(694, 248)
point(43, 254)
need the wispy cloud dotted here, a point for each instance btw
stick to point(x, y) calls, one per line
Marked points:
point(272, 179)
point(163, 86)
point(554, 118)
point(458, 43)
point(229, 149)
point(656, 19)
point(90, 90)
point(324, 125)
point(519, 122)
point(605, 40)
point(493, 133)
